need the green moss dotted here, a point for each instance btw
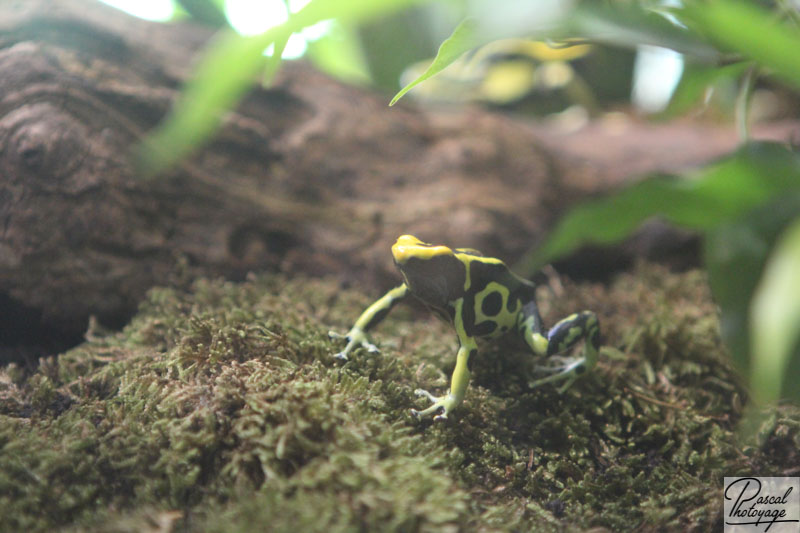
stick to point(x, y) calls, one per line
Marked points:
point(220, 407)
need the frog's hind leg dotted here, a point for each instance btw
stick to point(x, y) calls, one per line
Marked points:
point(561, 337)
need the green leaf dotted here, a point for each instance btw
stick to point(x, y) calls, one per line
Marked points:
point(716, 194)
point(633, 25)
point(350, 11)
point(775, 320)
point(749, 30)
point(208, 12)
point(273, 62)
point(339, 54)
point(695, 80)
point(463, 39)
point(230, 66)
point(735, 255)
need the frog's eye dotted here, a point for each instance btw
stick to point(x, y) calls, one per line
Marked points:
point(469, 251)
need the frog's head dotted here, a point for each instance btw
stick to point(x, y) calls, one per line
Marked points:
point(432, 272)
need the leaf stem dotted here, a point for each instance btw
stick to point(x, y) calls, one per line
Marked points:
point(743, 103)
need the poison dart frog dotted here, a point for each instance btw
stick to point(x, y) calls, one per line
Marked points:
point(482, 298)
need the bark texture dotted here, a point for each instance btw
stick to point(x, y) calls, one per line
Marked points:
point(307, 176)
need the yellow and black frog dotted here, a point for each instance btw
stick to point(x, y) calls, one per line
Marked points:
point(482, 298)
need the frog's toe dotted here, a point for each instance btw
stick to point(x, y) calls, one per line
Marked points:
point(570, 380)
point(371, 348)
point(562, 365)
point(425, 394)
point(354, 338)
point(441, 405)
point(568, 371)
point(561, 361)
point(335, 335)
point(430, 410)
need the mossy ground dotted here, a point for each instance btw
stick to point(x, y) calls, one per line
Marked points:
point(221, 408)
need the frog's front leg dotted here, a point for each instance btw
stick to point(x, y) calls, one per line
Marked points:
point(561, 337)
point(371, 317)
point(458, 383)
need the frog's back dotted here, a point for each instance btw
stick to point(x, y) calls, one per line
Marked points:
point(493, 296)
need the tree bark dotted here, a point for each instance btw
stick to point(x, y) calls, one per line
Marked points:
point(307, 176)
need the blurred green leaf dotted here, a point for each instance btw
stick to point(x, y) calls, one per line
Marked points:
point(350, 11)
point(696, 79)
point(775, 319)
point(228, 69)
point(208, 12)
point(339, 54)
point(463, 39)
point(274, 60)
point(632, 25)
point(750, 31)
point(222, 77)
point(735, 255)
point(716, 194)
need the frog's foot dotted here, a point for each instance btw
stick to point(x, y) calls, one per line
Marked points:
point(445, 404)
point(355, 338)
point(569, 369)
point(564, 335)
point(556, 363)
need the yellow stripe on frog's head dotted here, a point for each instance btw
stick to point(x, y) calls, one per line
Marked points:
point(408, 246)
